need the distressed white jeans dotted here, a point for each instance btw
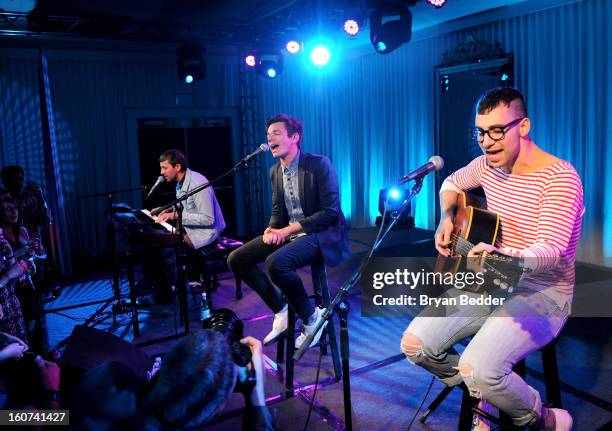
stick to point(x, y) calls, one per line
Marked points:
point(501, 338)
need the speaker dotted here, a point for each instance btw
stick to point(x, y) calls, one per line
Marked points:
point(89, 347)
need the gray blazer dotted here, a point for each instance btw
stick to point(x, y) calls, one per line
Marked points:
point(320, 201)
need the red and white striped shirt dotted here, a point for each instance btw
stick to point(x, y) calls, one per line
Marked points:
point(540, 213)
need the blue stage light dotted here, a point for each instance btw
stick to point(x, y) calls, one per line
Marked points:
point(320, 55)
point(394, 194)
point(188, 79)
point(381, 46)
point(271, 72)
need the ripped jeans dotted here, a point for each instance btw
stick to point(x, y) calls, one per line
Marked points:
point(501, 338)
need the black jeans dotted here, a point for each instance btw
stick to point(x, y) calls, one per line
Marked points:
point(281, 265)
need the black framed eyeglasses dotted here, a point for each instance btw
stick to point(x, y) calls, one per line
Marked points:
point(495, 133)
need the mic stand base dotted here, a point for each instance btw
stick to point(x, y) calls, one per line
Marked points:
point(343, 309)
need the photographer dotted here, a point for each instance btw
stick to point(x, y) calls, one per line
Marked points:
point(193, 383)
point(21, 386)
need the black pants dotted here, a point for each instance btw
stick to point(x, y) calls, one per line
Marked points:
point(281, 265)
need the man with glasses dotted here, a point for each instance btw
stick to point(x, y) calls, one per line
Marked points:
point(538, 198)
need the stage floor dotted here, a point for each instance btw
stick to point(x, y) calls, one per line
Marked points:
point(386, 390)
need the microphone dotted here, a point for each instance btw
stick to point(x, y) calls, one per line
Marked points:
point(435, 164)
point(262, 148)
point(160, 180)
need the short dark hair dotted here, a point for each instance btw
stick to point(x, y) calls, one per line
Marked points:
point(500, 95)
point(9, 171)
point(196, 378)
point(293, 125)
point(174, 157)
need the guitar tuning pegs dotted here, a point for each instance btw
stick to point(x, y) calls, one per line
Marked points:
point(496, 281)
point(503, 285)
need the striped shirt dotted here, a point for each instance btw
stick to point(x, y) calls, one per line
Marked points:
point(540, 212)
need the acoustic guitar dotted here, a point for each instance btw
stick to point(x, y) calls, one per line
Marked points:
point(474, 224)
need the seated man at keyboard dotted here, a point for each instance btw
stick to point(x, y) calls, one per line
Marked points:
point(202, 218)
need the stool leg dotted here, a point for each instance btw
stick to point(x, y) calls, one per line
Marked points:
point(280, 349)
point(290, 348)
point(238, 288)
point(331, 331)
point(436, 402)
point(551, 375)
point(317, 281)
point(466, 415)
point(520, 368)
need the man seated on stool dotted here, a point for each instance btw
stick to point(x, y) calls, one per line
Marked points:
point(202, 217)
point(306, 224)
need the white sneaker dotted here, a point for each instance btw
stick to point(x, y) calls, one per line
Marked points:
point(279, 326)
point(309, 329)
point(563, 420)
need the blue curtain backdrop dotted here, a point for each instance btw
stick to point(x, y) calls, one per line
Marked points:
point(373, 115)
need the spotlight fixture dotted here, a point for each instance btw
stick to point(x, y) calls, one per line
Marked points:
point(293, 47)
point(437, 3)
point(390, 27)
point(270, 64)
point(320, 55)
point(190, 63)
point(394, 197)
point(351, 27)
point(250, 60)
point(506, 75)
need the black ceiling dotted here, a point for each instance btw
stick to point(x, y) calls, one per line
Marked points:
point(229, 21)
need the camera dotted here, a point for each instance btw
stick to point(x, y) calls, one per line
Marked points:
point(227, 323)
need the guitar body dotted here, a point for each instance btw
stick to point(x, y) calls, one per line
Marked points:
point(474, 224)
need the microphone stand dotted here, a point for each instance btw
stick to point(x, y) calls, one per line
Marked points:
point(181, 279)
point(338, 302)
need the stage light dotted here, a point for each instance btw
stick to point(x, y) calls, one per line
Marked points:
point(269, 64)
point(506, 75)
point(320, 55)
point(390, 28)
point(250, 60)
point(351, 27)
point(394, 193)
point(271, 72)
point(397, 196)
point(293, 47)
point(190, 63)
point(437, 3)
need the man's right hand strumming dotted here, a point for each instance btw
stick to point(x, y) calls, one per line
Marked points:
point(443, 235)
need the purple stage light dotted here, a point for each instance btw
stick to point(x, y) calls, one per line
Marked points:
point(437, 3)
point(351, 27)
point(293, 47)
point(250, 60)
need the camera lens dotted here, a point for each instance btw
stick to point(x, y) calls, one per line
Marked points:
point(227, 322)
